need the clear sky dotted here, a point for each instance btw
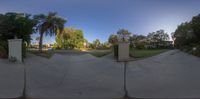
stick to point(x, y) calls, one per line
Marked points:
point(100, 18)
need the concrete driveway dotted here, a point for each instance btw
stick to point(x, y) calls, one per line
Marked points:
point(82, 76)
point(172, 74)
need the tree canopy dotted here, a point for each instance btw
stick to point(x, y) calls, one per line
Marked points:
point(70, 38)
point(113, 39)
point(49, 25)
point(196, 26)
point(96, 43)
point(13, 25)
point(187, 36)
point(158, 36)
point(18, 25)
point(187, 33)
point(123, 35)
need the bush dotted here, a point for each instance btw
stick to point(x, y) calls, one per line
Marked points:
point(3, 53)
point(115, 50)
point(197, 52)
point(186, 48)
point(3, 49)
point(24, 50)
point(140, 45)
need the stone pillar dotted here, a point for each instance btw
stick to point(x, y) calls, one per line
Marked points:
point(15, 49)
point(123, 51)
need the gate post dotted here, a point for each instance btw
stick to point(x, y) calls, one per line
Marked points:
point(15, 49)
point(123, 51)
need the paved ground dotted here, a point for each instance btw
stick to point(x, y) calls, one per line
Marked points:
point(172, 74)
point(82, 76)
point(11, 79)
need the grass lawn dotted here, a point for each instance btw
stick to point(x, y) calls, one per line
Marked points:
point(136, 53)
point(100, 53)
point(46, 54)
point(49, 54)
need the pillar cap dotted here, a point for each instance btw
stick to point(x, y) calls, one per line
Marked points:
point(14, 40)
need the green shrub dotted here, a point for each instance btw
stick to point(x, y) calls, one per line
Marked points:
point(24, 50)
point(3, 49)
point(197, 52)
point(116, 50)
point(140, 45)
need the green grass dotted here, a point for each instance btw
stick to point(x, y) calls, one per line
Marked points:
point(45, 54)
point(49, 54)
point(143, 53)
point(136, 53)
point(100, 53)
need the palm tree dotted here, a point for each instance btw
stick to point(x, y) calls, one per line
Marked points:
point(37, 39)
point(49, 25)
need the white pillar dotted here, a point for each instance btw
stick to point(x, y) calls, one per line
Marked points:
point(123, 51)
point(15, 49)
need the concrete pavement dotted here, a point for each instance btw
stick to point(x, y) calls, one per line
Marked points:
point(172, 74)
point(11, 79)
point(82, 76)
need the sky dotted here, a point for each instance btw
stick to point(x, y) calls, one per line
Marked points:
point(100, 18)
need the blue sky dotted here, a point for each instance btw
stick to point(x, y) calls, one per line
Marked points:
point(100, 18)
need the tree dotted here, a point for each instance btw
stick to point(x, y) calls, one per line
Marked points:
point(158, 38)
point(173, 37)
point(187, 36)
point(70, 38)
point(105, 45)
point(18, 25)
point(37, 39)
point(138, 41)
point(113, 39)
point(135, 38)
point(123, 35)
point(184, 34)
point(195, 23)
point(96, 43)
point(59, 42)
point(49, 25)
point(13, 25)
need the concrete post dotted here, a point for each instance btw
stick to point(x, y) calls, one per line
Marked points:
point(15, 49)
point(123, 51)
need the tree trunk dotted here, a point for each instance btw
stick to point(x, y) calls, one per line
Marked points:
point(40, 42)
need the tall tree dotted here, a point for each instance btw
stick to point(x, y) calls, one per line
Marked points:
point(196, 26)
point(184, 34)
point(37, 39)
point(123, 35)
point(70, 38)
point(96, 43)
point(18, 25)
point(138, 41)
point(113, 39)
point(49, 25)
point(136, 38)
point(158, 37)
point(13, 25)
